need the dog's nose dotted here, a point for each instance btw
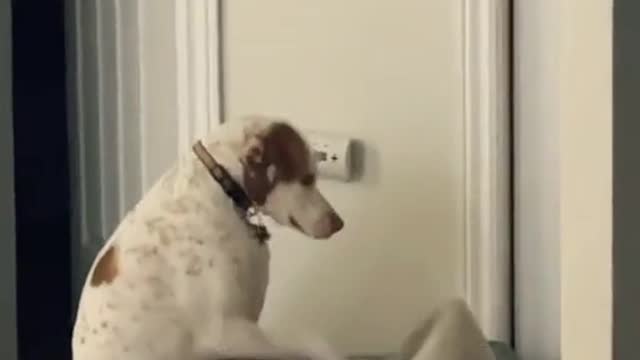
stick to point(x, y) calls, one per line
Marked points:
point(336, 222)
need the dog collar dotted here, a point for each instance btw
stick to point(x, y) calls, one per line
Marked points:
point(250, 212)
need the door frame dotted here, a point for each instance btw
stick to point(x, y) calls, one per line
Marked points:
point(488, 204)
point(537, 105)
point(487, 123)
point(123, 40)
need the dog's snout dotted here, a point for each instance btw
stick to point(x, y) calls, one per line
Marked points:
point(336, 222)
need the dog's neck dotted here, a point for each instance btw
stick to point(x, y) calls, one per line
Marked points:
point(228, 145)
point(226, 154)
point(230, 142)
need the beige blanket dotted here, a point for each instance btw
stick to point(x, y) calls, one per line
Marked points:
point(450, 333)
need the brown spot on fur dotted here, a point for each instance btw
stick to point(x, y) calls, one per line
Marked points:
point(186, 252)
point(137, 249)
point(159, 288)
point(178, 206)
point(284, 148)
point(143, 253)
point(164, 240)
point(196, 240)
point(145, 306)
point(107, 268)
point(225, 238)
point(199, 207)
point(235, 260)
point(154, 222)
point(237, 273)
point(194, 266)
point(165, 230)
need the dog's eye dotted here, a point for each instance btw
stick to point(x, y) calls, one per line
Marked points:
point(308, 180)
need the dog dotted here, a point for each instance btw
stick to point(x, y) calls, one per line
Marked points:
point(184, 275)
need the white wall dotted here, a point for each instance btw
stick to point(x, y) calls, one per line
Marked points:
point(586, 179)
point(563, 179)
point(537, 179)
point(388, 73)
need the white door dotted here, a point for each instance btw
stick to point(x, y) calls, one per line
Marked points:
point(391, 75)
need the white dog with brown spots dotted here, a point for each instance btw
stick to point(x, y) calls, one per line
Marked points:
point(184, 277)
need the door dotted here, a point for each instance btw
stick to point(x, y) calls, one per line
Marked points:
point(390, 75)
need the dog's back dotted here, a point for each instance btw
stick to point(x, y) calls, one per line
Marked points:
point(172, 262)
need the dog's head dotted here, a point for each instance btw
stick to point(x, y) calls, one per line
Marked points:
point(279, 174)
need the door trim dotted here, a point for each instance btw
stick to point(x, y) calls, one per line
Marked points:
point(199, 70)
point(487, 190)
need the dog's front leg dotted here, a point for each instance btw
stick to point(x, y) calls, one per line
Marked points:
point(242, 339)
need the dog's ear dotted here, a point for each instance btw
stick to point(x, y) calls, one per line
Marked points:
point(255, 172)
point(279, 154)
point(287, 151)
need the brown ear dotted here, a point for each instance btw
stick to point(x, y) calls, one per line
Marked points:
point(285, 148)
point(256, 179)
point(280, 147)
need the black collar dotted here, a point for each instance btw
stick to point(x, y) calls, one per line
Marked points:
point(233, 191)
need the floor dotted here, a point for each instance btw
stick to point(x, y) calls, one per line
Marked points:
point(502, 352)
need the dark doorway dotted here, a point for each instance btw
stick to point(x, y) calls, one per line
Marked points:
point(41, 180)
